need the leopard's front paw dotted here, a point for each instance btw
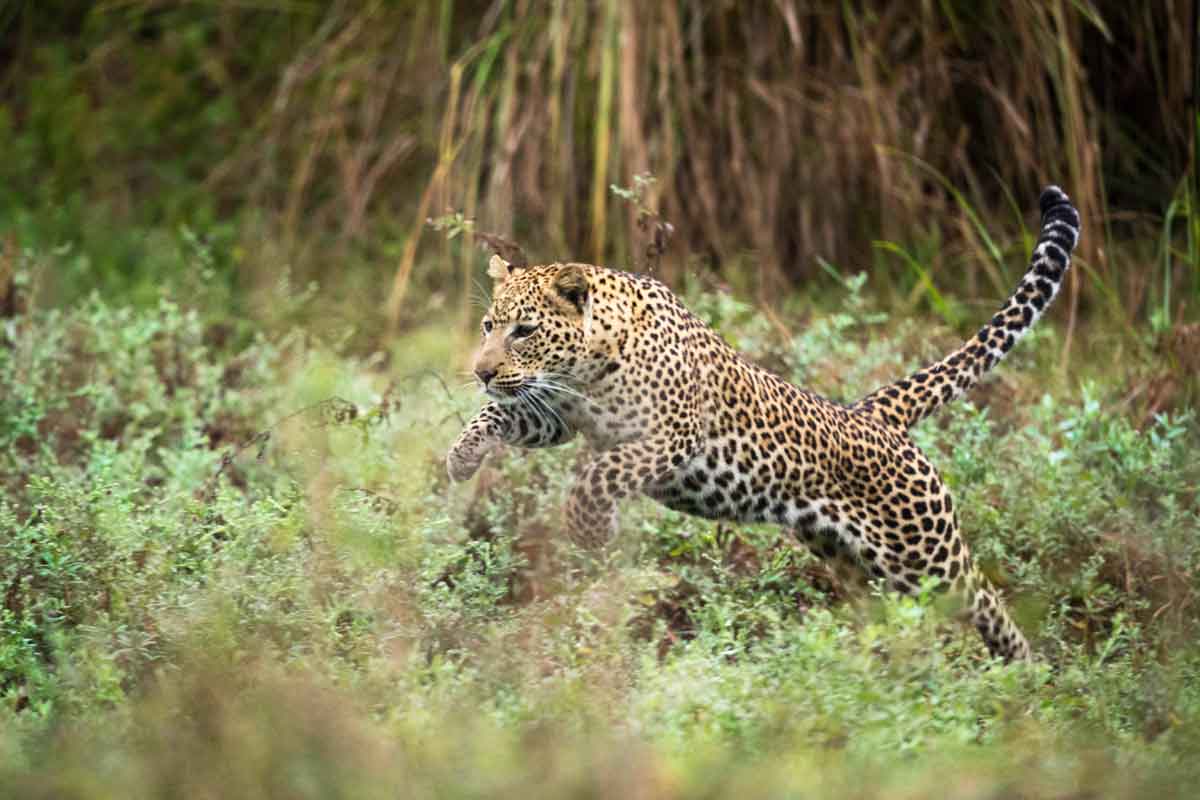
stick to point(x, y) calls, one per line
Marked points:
point(460, 466)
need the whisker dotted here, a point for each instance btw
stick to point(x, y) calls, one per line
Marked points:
point(481, 292)
point(546, 383)
point(559, 378)
point(531, 404)
point(553, 412)
point(533, 401)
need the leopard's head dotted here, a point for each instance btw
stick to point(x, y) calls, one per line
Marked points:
point(535, 332)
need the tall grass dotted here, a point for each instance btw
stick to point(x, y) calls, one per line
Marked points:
point(787, 131)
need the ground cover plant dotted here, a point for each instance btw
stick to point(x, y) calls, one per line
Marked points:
point(233, 565)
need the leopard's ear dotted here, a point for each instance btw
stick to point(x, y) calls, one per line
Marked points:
point(499, 269)
point(571, 284)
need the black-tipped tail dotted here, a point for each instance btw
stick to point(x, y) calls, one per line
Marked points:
point(906, 402)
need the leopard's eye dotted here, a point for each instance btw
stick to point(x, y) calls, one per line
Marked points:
point(523, 330)
point(487, 326)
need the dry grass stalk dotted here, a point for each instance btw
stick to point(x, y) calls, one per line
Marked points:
point(780, 131)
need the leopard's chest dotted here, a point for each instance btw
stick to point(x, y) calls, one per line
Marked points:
point(627, 403)
point(606, 422)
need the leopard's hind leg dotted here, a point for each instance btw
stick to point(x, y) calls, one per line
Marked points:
point(903, 560)
point(898, 518)
point(990, 617)
point(930, 544)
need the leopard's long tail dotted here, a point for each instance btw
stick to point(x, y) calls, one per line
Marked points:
point(908, 401)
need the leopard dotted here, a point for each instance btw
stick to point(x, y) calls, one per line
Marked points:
point(671, 411)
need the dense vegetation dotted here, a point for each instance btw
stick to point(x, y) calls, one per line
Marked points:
point(322, 135)
point(231, 357)
point(232, 565)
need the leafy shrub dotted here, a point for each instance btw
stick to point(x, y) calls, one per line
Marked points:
point(202, 523)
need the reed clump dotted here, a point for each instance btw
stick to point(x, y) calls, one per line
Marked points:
point(781, 133)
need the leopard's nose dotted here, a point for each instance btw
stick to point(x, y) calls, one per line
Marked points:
point(485, 375)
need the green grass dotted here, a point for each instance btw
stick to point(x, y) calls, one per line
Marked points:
point(320, 614)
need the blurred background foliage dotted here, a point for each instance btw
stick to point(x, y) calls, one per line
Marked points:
point(321, 136)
